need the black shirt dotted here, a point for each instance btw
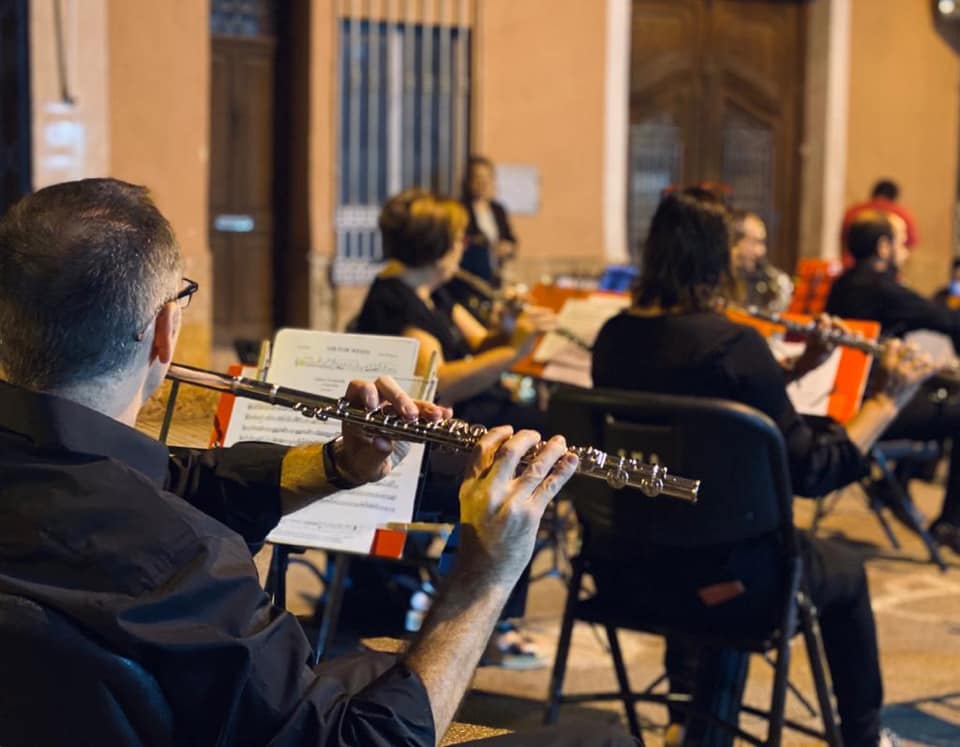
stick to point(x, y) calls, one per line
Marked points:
point(392, 306)
point(706, 355)
point(143, 547)
point(866, 293)
point(478, 257)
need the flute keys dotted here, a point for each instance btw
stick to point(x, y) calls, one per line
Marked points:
point(618, 478)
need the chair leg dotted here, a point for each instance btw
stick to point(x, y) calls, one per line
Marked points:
point(779, 698)
point(901, 495)
point(818, 512)
point(563, 647)
point(810, 626)
point(877, 511)
point(623, 681)
point(276, 585)
point(788, 626)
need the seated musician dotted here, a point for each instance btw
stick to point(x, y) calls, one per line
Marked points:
point(672, 341)
point(423, 240)
point(870, 290)
point(763, 285)
point(146, 549)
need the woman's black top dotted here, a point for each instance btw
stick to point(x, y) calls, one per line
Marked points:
point(392, 306)
point(478, 259)
point(706, 355)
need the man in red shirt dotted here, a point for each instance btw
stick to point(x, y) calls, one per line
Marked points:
point(883, 197)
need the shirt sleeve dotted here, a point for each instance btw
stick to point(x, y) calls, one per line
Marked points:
point(905, 310)
point(238, 486)
point(821, 458)
point(236, 670)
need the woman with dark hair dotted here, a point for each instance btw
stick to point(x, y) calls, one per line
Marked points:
point(673, 341)
point(490, 241)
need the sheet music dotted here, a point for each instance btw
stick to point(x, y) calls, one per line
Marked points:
point(809, 394)
point(324, 363)
point(567, 362)
point(935, 344)
point(583, 317)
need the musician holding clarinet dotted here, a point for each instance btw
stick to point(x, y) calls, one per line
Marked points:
point(673, 341)
point(144, 550)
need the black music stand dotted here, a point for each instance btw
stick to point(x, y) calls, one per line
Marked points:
point(335, 581)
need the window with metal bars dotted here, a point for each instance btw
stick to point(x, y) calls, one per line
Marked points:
point(243, 17)
point(404, 100)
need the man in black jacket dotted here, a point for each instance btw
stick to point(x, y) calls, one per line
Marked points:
point(146, 551)
point(870, 290)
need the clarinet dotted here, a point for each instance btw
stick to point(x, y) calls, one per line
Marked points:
point(514, 304)
point(451, 433)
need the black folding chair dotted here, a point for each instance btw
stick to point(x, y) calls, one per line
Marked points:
point(61, 686)
point(740, 456)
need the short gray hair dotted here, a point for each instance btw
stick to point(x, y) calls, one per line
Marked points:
point(83, 265)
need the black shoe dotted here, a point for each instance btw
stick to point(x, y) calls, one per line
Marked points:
point(883, 495)
point(946, 534)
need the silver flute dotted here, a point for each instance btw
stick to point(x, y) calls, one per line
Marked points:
point(810, 329)
point(948, 370)
point(451, 433)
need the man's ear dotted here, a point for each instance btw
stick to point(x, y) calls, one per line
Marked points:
point(884, 248)
point(165, 332)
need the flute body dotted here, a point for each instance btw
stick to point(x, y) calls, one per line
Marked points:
point(810, 329)
point(949, 371)
point(454, 434)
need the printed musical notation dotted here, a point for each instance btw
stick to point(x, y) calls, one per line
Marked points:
point(324, 363)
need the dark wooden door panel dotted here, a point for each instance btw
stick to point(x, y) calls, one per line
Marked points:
point(15, 177)
point(254, 82)
point(242, 186)
point(220, 102)
point(716, 95)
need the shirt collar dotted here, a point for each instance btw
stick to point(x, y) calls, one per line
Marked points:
point(49, 421)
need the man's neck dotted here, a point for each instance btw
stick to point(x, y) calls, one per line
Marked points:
point(118, 400)
point(877, 264)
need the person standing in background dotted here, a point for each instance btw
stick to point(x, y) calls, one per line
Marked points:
point(490, 241)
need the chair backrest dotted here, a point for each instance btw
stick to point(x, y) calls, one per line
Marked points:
point(737, 452)
point(59, 686)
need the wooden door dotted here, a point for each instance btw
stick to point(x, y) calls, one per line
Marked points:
point(242, 186)
point(716, 94)
point(15, 178)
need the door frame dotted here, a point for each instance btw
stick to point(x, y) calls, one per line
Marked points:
point(15, 84)
point(292, 237)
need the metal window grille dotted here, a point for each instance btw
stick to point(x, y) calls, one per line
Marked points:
point(748, 161)
point(243, 17)
point(656, 162)
point(404, 99)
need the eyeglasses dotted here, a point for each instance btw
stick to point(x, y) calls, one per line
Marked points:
point(183, 298)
